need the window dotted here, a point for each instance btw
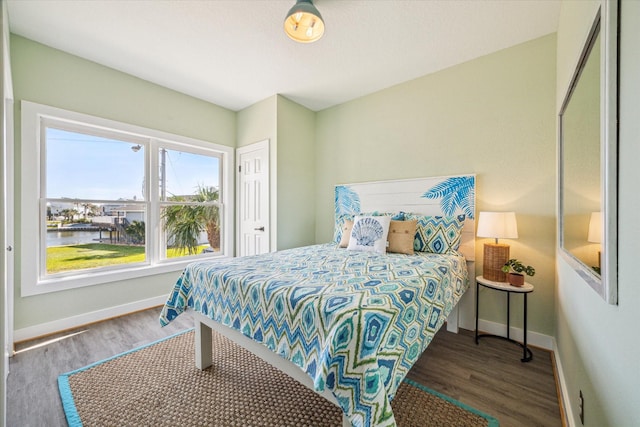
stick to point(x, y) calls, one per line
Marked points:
point(111, 201)
point(95, 210)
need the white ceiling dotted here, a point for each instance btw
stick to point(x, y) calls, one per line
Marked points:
point(234, 53)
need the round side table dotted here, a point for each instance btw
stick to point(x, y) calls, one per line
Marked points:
point(526, 289)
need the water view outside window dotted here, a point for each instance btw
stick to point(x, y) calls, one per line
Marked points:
point(96, 203)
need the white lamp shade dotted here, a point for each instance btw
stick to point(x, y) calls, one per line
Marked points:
point(595, 228)
point(497, 225)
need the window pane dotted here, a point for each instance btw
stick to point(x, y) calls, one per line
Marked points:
point(84, 166)
point(84, 236)
point(191, 229)
point(183, 174)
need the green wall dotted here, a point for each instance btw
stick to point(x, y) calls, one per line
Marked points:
point(290, 129)
point(296, 175)
point(257, 123)
point(51, 77)
point(597, 342)
point(493, 116)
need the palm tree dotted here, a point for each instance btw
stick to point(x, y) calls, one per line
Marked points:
point(69, 214)
point(184, 223)
point(136, 231)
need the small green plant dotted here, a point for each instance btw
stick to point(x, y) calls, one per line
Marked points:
point(515, 266)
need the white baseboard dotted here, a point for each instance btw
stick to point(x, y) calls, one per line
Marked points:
point(85, 318)
point(533, 338)
point(564, 393)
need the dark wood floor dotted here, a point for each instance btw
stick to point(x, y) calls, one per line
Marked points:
point(491, 378)
point(488, 377)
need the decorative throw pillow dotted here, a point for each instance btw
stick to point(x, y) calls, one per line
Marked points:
point(401, 236)
point(369, 233)
point(340, 220)
point(346, 233)
point(437, 234)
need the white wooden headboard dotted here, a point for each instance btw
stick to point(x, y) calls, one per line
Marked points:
point(438, 196)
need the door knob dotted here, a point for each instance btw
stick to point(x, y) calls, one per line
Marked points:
point(259, 229)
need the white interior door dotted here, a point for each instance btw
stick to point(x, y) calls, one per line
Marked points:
point(253, 198)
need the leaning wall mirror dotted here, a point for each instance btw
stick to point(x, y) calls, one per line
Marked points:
point(588, 160)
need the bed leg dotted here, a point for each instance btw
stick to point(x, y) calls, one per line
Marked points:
point(452, 320)
point(204, 352)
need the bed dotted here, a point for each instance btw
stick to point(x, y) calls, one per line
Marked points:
point(348, 323)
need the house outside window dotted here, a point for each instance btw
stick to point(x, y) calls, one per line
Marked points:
point(111, 201)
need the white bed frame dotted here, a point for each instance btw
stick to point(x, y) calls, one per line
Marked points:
point(381, 196)
point(204, 354)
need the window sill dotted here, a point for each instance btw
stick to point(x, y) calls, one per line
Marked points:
point(90, 278)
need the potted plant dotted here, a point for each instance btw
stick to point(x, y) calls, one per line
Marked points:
point(515, 270)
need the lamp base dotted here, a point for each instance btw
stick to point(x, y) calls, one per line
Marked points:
point(495, 256)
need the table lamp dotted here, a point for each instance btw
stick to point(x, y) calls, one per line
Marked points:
point(497, 225)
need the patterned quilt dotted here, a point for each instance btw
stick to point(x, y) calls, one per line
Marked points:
point(355, 322)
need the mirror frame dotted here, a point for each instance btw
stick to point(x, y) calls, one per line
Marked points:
point(606, 24)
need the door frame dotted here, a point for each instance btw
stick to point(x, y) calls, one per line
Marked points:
point(8, 247)
point(6, 209)
point(260, 145)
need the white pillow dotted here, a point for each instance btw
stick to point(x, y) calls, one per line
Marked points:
point(369, 233)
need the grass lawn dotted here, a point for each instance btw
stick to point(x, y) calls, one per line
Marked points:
point(94, 255)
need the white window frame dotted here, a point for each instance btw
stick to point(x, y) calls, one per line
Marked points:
point(32, 250)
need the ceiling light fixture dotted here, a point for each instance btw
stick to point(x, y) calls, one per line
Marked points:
point(303, 22)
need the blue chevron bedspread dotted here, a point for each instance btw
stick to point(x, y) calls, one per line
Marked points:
point(355, 322)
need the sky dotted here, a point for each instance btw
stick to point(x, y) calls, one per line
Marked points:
point(83, 166)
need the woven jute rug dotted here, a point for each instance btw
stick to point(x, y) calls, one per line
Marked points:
point(159, 385)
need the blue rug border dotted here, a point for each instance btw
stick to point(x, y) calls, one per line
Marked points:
point(68, 404)
point(492, 422)
point(73, 418)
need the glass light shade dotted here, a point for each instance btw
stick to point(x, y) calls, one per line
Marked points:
point(595, 228)
point(303, 22)
point(498, 225)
